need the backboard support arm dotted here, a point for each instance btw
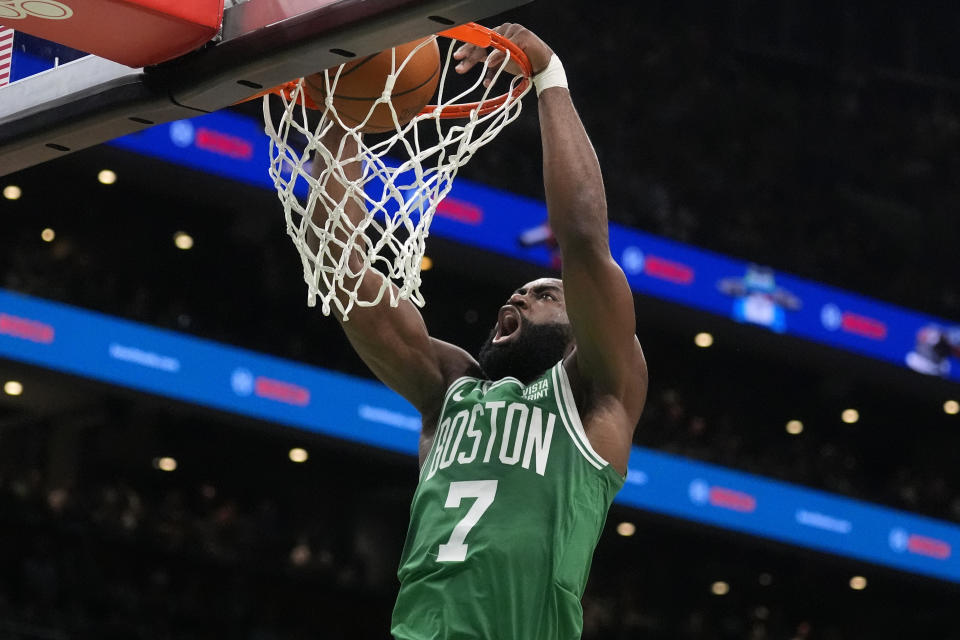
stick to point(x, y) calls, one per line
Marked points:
point(263, 43)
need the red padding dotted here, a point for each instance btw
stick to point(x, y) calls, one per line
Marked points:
point(136, 33)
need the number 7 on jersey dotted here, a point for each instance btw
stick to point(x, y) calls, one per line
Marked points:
point(484, 491)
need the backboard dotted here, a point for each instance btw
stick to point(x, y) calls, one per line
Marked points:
point(60, 100)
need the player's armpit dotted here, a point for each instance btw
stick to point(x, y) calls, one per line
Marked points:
point(395, 344)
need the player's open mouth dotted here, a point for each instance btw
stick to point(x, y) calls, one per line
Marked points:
point(508, 323)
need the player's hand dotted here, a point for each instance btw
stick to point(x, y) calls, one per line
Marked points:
point(536, 49)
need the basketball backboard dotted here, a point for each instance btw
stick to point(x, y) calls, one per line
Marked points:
point(61, 101)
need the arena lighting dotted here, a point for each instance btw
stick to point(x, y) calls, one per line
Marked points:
point(626, 529)
point(166, 463)
point(12, 388)
point(951, 407)
point(765, 579)
point(48, 234)
point(426, 263)
point(794, 427)
point(858, 583)
point(720, 588)
point(703, 340)
point(12, 192)
point(107, 177)
point(298, 455)
point(183, 240)
point(850, 416)
point(300, 554)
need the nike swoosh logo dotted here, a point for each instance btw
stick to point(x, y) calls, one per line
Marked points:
point(458, 395)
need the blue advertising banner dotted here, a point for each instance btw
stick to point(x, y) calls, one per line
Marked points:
point(787, 513)
point(202, 372)
point(234, 146)
point(198, 371)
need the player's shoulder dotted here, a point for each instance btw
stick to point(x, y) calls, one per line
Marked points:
point(455, 363)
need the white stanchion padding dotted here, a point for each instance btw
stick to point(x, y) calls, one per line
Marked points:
point(552, 76)
point(6, 55)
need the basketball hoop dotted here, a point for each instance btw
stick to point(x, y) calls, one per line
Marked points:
point(406, 173)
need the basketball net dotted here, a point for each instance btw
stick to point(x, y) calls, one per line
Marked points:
point(405, 174)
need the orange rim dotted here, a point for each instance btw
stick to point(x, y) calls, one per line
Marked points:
point(286, 90)
point(471, 33)
point(483, 37)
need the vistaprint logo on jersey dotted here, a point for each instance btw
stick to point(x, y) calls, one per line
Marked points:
point(537, 390)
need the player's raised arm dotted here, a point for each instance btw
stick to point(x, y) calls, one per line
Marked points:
point(598, 298)
point(392, 341)
point(608, 368)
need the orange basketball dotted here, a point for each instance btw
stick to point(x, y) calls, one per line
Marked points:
point(362, 81)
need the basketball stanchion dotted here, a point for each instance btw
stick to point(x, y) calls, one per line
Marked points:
point(410, 152)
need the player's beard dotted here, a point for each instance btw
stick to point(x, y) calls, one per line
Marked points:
point(536, 349)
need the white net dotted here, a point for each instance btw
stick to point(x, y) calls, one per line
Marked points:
point(362, 239)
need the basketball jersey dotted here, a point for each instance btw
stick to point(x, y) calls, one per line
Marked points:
point(506, 516)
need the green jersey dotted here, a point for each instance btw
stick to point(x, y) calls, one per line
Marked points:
point(505, 518)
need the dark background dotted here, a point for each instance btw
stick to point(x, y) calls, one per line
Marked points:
point(818, 138)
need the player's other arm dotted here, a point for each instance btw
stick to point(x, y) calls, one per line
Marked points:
point(609, 363)
point(392, 341)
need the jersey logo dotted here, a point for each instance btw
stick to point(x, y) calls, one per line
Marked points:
point(458, 395)
point(537, 390)
point(523, 434)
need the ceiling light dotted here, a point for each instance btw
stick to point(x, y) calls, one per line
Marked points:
point(794, 427)
point(626, 529)
point(48, 235)
point(951, 407)
point(426, 263)
point(166, 463)
point(12, 192)
point(12, 388)
point(850, 416)
point(107, 177)
point(703, 340)
point(720, 588)
point(298, 455)
point(858, 583)
point(183, 240)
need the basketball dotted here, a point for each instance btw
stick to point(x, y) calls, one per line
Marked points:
point(362, 82)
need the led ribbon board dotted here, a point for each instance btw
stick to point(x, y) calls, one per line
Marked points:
point(234, 147)
point(206, 373)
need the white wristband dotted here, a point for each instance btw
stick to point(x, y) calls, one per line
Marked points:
point(552, 76)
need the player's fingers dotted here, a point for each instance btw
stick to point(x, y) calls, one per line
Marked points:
point(515, 33)
point(466, 65)
point(494, 63)
point(463, 50)
point(495, 59)
point(469, 57)
point(536, 49)
point(508, 29)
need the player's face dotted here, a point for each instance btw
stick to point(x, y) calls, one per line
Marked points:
point(538, 302)
point(531, 334)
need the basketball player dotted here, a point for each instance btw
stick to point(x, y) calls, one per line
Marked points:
point(523, 448)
